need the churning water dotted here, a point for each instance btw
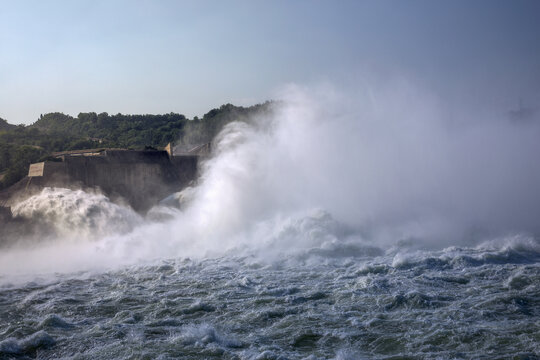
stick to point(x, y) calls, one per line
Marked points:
point(334, 229)
point(334, 301)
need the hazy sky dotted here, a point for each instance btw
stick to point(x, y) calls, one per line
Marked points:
point(190, 56)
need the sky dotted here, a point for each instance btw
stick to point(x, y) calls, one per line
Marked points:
point(191, 56)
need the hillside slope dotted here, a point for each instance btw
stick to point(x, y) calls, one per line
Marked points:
point(23, 145)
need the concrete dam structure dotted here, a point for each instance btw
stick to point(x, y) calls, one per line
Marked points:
point(140, 178)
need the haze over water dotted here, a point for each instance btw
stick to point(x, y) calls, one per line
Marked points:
point(372, 218)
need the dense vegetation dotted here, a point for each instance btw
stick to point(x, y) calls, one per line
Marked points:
point(4, 125)
point(22, 145)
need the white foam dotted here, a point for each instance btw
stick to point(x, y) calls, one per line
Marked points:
point(77, 214)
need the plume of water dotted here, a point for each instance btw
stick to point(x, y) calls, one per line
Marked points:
point(373, 166)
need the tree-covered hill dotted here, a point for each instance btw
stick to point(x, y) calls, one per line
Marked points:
point(4, 125)
point(22, 145)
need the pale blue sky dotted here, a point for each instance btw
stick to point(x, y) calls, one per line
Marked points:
point(190, 56)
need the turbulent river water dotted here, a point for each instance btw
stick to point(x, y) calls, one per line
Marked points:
point(335, 228)
point(330, 302)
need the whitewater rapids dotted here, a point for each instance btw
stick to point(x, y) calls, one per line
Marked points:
point(331, 302)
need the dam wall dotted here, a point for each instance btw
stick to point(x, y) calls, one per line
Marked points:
point(140, 178)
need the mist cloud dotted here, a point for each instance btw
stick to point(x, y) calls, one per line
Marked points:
point(377, 165)
point(383, 159)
